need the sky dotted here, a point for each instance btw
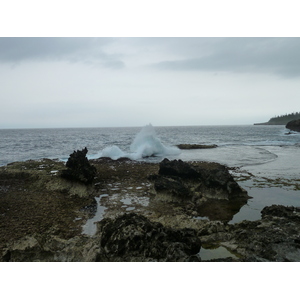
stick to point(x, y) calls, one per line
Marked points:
point(49, 82)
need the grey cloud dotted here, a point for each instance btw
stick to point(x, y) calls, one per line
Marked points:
point(268, 55)
point(115, 64)
point(86, 50)
point(279, 56)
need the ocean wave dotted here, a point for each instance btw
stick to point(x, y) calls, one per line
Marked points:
point(145, 144)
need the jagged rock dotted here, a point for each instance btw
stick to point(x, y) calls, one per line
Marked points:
point(207, 188)
point(273, 238)
point(133, 237)
point(130, 237)
point(177, 168)
point(42, 224)
point(280, 211)
point(293, 125)
point(212, 178)
point(79, 168)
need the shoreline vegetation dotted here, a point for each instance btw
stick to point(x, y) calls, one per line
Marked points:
point(165, 211)
point(281, 120)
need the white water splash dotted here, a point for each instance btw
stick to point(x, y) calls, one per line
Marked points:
point(145, 144)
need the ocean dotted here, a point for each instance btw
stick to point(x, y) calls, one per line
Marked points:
point(270, 153)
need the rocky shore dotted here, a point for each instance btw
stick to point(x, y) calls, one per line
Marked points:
point(168, 211)
point(293, 125)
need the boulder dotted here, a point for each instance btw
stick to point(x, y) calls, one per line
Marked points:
point(132, 237)
point(293, 125)
point(79, 168)
point(177, 168)
point(207, 188)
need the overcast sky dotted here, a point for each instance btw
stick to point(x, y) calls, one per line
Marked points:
point(103, 82)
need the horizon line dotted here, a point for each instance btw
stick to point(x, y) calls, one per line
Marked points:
point(129, 126)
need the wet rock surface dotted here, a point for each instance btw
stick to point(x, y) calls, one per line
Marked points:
point(207, 189)
point(133, 237)
point(273, 238)
point(42, 214)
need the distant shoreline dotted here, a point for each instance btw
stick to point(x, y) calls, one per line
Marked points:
point(281, 120)
point(270, 123)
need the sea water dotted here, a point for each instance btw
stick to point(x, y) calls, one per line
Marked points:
point(265, 151)
point(237, 145)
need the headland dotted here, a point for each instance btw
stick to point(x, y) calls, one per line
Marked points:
point(281, 120)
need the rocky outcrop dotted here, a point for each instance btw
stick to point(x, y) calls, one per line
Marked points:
point(130, 237)
point(195, 146)
point(133, 237)
point(205, 189)
point(293, 125)
point(79, 168)
point(41, 215)
point(273, 238)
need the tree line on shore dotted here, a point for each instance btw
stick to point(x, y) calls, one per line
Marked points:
point(286, 117)
point(281, 120)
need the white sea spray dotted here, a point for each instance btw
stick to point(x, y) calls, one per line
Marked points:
point(145, 144)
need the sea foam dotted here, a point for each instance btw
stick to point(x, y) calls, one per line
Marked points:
point(145, 144)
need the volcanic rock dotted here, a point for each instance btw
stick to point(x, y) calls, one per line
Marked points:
point(195, 146)
point(207, 188)
point(79, 168)
point(274, 238)
point(133, 237)
point(293, 125)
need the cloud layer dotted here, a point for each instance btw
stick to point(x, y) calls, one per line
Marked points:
point(74, 82)
point(265, 55)
point(85, 50)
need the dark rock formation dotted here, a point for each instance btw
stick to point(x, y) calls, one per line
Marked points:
point(195, 146)
point(129, 237)
point(273, 238)
point(212, 178)
point(79, 168)
point(42, 214)
point(133, 237)
point(293, 125)
point(206, 188)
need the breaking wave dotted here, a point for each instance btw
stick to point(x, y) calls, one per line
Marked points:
point(145, 144)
